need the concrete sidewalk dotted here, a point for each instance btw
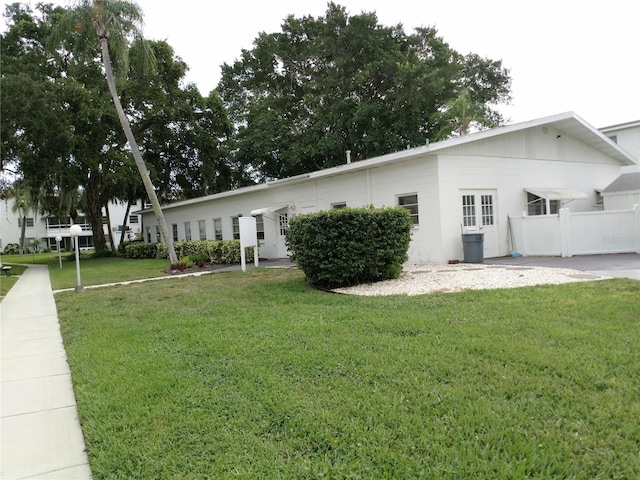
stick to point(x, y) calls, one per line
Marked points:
point(40, 431)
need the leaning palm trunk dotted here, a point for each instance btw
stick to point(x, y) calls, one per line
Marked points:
point(142, 168)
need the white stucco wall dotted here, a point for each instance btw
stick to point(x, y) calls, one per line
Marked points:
point(503, 164)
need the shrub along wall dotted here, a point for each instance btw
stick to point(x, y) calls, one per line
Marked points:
point(350, 246)
point(212, 251)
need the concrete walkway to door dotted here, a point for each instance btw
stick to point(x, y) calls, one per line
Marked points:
point(40, 435)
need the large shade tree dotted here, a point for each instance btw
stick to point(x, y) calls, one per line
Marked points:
point(304, 96)
point(34, 123)
point(114, 26)
point(181, 134)
point(61, 134)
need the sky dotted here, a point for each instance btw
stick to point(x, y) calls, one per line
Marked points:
point(562, 55)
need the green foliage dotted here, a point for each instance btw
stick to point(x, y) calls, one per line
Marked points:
point(12, 249)
point(294, 383)
point(176, 122)
point(141, 250)
point(222, 252)
point(187, 262)
point(123, 245)
point(304, 96)
point(102, 254)
point(350, 246)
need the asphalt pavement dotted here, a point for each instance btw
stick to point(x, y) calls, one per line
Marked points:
point(618, 265)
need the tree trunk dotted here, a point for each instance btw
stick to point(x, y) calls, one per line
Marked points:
point(142, 168)
point(23, 234)
point(124, 222)
point(94, 214)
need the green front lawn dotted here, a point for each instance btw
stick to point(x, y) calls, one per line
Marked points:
point(256, 375)
point(93, 271)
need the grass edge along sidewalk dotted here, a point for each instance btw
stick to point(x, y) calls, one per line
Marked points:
point(258, 375)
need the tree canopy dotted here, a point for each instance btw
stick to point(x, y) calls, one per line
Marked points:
point(60, 132)
point(304, 96)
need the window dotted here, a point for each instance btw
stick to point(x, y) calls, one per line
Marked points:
point(217, 228)
point(85, 242)
point(410, 202)
point(148, 234)
point(339, 205)
point(158, 236)
point(105, 220)
point(174, 232)
point(260, 227)
point(235, 227)
point(202, 230)
point(133, 218)
point(538, 206)
point(469, 210)
point(187, 231)
point(28, 222)
point(599, 205)
point(487, 210)
point(56, 222)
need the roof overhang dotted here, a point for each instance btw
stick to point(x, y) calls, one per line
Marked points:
point(557, 193)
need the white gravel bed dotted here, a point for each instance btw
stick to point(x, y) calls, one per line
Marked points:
point(421, 279)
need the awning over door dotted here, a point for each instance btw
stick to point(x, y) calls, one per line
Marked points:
point(557, 193)
point(268, 212)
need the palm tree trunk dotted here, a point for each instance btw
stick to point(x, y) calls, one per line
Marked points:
point(142, 168)
point(23, 233)
point(112, 242)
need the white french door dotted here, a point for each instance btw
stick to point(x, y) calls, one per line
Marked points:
point(479, 212)
point(283, 224)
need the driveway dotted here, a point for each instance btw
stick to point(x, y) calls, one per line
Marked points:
point(620, 265)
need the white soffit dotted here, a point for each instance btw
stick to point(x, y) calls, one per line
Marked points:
point(557, 193)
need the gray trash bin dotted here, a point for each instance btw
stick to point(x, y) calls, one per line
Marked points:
point(473, 247)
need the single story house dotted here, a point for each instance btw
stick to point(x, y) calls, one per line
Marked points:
point(471, 183)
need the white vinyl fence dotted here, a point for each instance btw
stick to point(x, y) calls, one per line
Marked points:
point(576, 233)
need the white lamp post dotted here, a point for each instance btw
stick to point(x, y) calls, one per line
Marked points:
point(58, 240)
point(75, 231)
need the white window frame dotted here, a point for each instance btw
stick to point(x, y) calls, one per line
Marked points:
point(235, 227)
point(406, 200)
point(202, 229)
point(187, 231)
point(538, 205)
point(217, 229)
point(260, 226)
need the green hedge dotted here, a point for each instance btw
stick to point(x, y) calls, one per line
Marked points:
point(350, 246)
point(213, 251)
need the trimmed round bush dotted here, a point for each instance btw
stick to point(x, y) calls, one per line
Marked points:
point(349, 246)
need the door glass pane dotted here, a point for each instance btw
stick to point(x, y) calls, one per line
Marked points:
point(487, 210)
point(469, 210)
point(284, 223)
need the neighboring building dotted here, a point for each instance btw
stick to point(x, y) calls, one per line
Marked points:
point(47, 228)
point(469, 183)
point(627, 136)
point(624, 191)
